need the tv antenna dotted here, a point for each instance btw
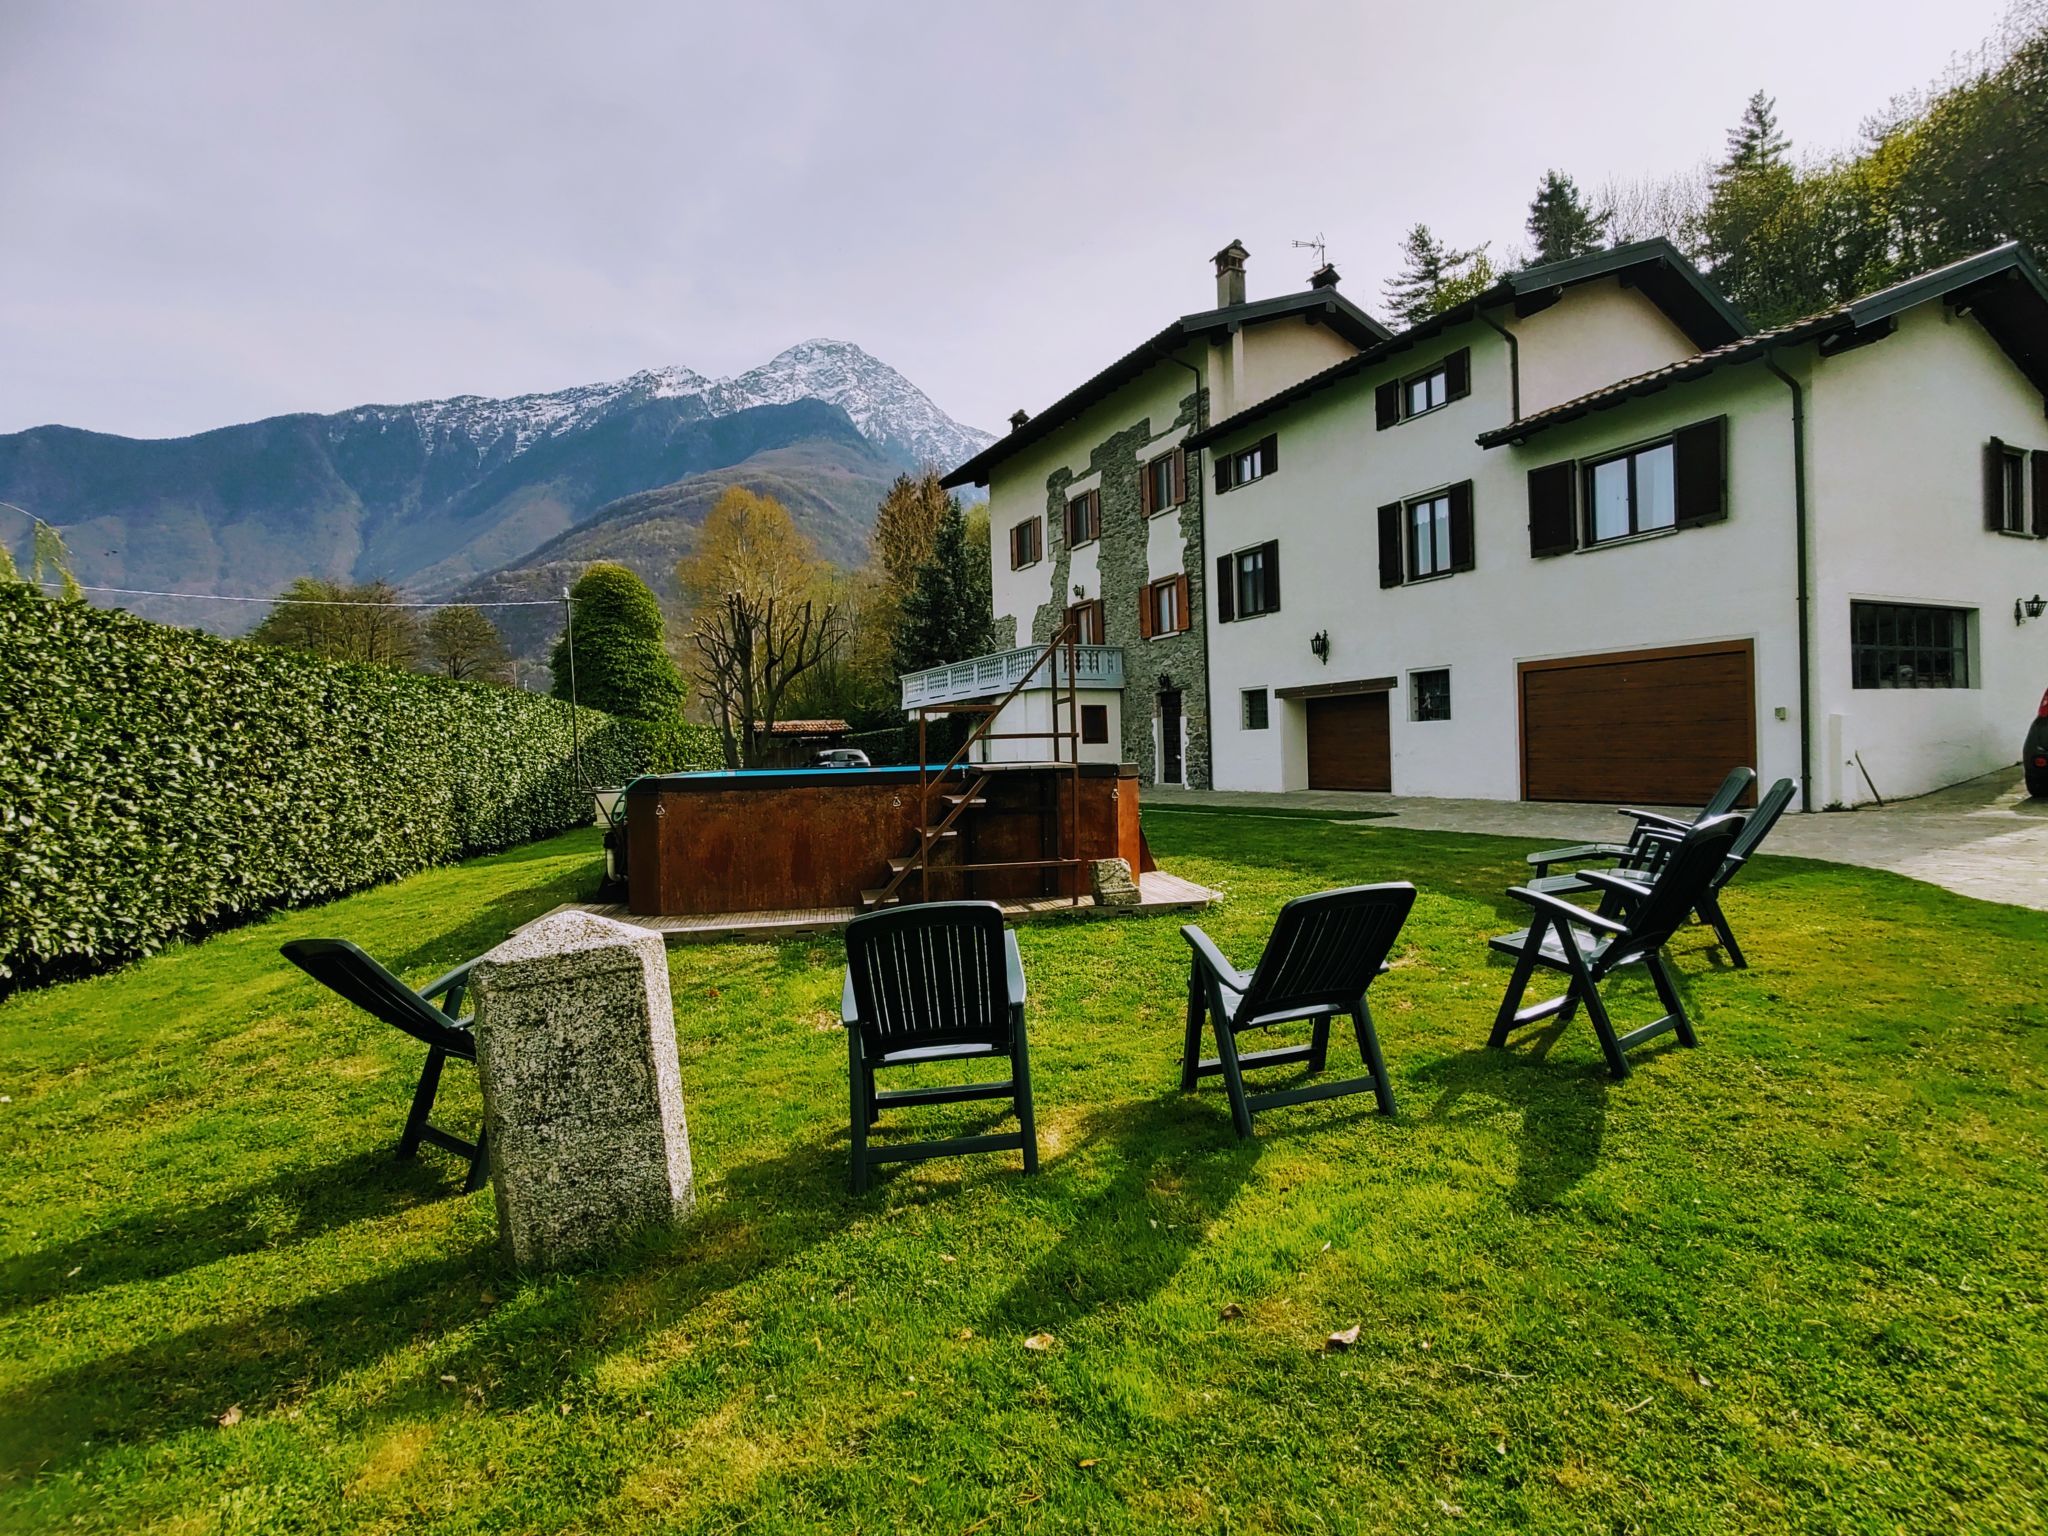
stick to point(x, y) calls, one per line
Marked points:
point(1319, 246)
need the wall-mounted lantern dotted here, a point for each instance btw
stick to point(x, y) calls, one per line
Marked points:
point(2024, 608)
point(1319, 643)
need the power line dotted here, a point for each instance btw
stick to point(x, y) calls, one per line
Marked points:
point(306, 602)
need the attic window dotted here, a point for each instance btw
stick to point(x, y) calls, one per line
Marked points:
point(1418, 394)
point(1253, 462)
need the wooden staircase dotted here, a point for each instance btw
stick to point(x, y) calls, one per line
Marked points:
point(946, 796)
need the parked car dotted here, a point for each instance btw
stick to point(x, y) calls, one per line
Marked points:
point(841, 757)
point(2034, 756)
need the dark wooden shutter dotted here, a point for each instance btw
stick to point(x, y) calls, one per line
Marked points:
point(1269, 454)
point(1017, 546)
point(2040, 466)
point(1994, 485)
point(1180, 476)
point(1226, 589)
point(1386, 405)
point(1700, 481)
point(1462, 557)
point(1145, 507)
point(1458, 374)
point(1187, 613)
point(1272, 551)
point(1391, 567)
point(1553, 528)
point(1222, 473)
point(1144, 613)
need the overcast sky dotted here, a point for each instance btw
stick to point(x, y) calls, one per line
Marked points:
point(215, 212)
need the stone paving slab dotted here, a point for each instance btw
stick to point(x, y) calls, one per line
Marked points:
point(1983, 838)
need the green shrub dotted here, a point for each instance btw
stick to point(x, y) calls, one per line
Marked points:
point(159, 783)
point(620, 665)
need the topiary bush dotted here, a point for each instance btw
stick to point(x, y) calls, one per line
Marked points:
point(159, 783)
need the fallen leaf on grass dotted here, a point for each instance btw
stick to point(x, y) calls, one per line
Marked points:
point(1039, 1342)
point(1230, 1309)
point(231, 1418)
point(1088, 1463)
point(1453, 1510)
point(1343, 1338)
point(964, 1335)
point(947, 1258)
point(74, 1272)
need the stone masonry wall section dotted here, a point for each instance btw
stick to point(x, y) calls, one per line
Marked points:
point(1124, 571)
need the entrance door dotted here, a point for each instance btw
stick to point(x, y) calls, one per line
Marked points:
point(1171, 769)
point(1348, 742)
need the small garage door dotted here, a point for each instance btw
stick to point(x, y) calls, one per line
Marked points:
point(1347, 743)
point(1645, 727)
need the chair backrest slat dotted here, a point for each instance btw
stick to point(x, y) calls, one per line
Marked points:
point(1732, 789)
point(344, 969)
point(932, 974)
point(1676, 890)
point(1326, 948)
point(1756, 826)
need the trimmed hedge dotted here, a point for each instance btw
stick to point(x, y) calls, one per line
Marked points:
point(157, 783)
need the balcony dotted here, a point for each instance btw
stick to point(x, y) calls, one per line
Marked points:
point(990, 677)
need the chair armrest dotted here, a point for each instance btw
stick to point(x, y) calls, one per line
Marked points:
point(1620, 884)
point(1015, 964)
point(1648, 819)
point(455, 983)
point(1206, 953)
point(1574, 853)
point(848, 1009)
point(1557, 906)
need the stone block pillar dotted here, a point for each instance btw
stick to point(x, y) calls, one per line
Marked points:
point(583, 1101)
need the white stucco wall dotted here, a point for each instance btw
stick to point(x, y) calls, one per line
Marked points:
point(1278, 354)
point(1035, 710)
point(1896, 438)
point(1595, 334)
point(1731, 580)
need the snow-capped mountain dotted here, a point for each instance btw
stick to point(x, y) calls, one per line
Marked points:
point(887, 408)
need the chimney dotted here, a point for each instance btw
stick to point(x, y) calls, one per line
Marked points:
point(1230, 274)
point(1324, 276)
point(1018, 418)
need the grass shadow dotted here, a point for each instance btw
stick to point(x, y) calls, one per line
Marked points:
point(1563, 1110)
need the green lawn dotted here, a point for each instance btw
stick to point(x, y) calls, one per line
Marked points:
point(1792, 1280)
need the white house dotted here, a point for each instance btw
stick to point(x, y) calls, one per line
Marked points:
point(1546, 545)
point(1096, 519)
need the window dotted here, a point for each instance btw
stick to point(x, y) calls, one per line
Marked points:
point(1247, 464)
point(1428, 536)
point(1162, 483)
point(1094, 725)
point(1087, 621)
point(1257, 709)
point(1895, 645)
point(1248, 582)
point(1430, 694)
point(1027, 543)
point(1084, 518)
point(1163, 607)
point(1399, 400)
point(2005, 489)
point(1631, 493)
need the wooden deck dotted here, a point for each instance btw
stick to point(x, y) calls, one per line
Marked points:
point(1159, 893)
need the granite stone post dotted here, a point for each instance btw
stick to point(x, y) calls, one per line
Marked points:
point(583, 1101)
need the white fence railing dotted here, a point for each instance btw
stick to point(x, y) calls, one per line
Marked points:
point(1095, 666)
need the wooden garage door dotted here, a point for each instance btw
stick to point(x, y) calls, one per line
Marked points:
point(1644, 727)
point(1347, 743)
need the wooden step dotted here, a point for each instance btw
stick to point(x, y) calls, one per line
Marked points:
point(872, 899)
point(969, 801)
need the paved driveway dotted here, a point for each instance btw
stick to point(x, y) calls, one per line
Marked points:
point(1983, 838)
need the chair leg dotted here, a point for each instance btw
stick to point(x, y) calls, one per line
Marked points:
point(1525, 967)
point(1710, 909)
point(1233, 1079)
point(1369, 1048)
point(1191, 1050)
point(861, 1111)
point(874, 1099)
point(1584, 988)
point(1020, 1081)
point(1319, 1044)
point(479, 1166)
point(1667, 994)
point(422, 1102)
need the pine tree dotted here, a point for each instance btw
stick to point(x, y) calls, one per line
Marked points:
point(620, 664)
point(1754, 143)
point(1562, 224)
point(947, 611)
point(1434, 277)
point(1753, 232)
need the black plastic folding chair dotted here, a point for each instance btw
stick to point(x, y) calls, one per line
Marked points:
point(1641, 874)
point(1637, 847)
point(1324, 952)
point(938, 981)
point(342, 968)
point(1588, 947)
